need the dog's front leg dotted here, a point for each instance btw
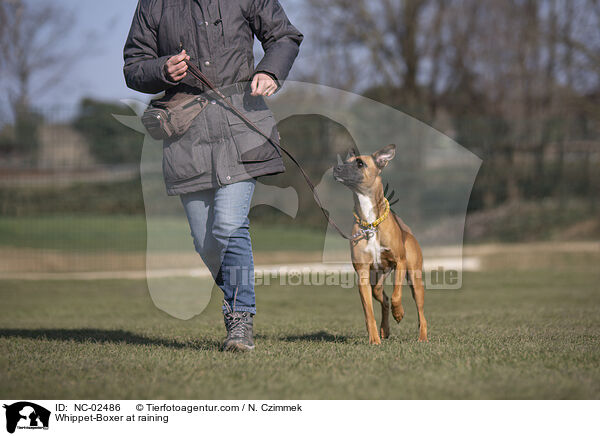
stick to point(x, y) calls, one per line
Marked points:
point(364, 287)
point(380, 296)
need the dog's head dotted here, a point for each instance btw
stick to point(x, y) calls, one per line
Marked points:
point(361, 173)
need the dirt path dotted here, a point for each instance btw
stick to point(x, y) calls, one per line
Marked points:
point(36, 264)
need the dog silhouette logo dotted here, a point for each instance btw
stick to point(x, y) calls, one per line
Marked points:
point(26, 415)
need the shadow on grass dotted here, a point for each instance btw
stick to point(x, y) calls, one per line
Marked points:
point(107, 336)
point(321, 336)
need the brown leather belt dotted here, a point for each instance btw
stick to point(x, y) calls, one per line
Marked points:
point(195, 71)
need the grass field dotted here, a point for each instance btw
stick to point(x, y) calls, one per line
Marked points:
point(123, 233)
point(507, 334)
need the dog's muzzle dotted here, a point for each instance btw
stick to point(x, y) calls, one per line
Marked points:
point(347, 174)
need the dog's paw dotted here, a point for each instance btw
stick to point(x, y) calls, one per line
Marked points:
point(375, 341)
point(398, 313)
point(384, 332)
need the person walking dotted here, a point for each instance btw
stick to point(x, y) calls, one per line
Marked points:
point(213, 166)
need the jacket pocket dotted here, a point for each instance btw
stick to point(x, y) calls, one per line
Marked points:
point(182, 160)
point(251, 145)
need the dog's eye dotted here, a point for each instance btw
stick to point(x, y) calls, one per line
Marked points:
point(360, 163)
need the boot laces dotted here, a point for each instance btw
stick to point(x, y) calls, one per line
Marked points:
point(237, 326)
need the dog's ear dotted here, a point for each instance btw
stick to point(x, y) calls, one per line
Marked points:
point(383, 156)
point(352, 152)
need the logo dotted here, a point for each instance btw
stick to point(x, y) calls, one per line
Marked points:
point(366, 124)
point(26, 415)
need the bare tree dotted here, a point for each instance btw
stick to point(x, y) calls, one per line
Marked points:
point(381, 34)
point(520, 79)
point(36, 49)
point(420, 48)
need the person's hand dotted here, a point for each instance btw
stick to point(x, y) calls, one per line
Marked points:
point(175, 67)
point(263, 84)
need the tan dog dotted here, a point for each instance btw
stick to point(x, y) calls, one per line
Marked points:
point(386, 244)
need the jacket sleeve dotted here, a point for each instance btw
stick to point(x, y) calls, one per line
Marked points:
point(279, 38)
point(144, 69)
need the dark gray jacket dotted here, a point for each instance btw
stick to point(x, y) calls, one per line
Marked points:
point(219, 148)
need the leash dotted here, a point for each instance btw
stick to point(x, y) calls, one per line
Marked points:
point(195, 71)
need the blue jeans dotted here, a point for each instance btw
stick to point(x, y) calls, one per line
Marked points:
point(219, 224)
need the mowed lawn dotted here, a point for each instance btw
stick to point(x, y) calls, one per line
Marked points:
point(507, 334)
point(128, 234)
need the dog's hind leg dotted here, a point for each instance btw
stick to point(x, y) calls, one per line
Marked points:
point(418, 293)
point(397, 309)
point(380, 296)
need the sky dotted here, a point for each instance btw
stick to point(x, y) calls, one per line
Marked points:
point(99, 74)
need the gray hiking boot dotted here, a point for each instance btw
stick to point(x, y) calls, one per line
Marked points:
point(239, 332)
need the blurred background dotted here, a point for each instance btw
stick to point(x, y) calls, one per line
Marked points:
point(516, 82)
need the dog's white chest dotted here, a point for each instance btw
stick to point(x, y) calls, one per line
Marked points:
point(373, 247)
point(366, 207)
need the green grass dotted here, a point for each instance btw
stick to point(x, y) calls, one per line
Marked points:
point(127, 233)
point(88, 233)
point(505, 335)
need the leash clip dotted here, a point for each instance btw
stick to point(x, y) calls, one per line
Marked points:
point(370, 232)
point(365, 232)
